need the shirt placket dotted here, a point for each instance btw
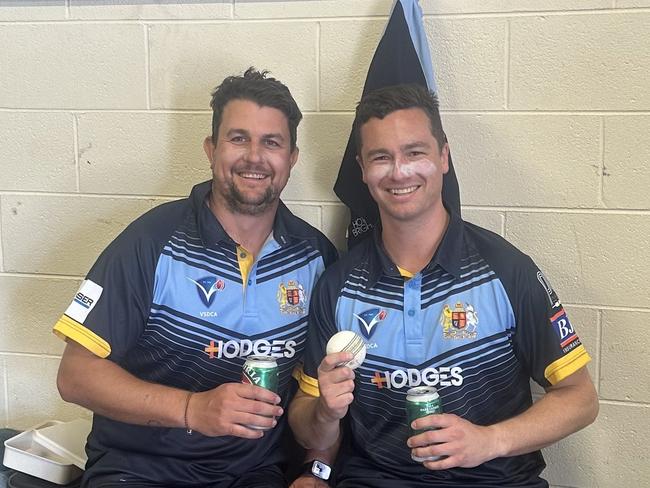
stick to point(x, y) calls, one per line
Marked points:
point(251, 292)
point(413, 327)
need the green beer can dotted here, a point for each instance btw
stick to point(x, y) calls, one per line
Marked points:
point(420, 402)
point(261, 371)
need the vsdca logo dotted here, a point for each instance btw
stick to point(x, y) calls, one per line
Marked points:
point(369, 319)
point(207, 287)
point(412, 377)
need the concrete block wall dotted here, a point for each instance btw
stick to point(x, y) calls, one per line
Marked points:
point(103, 109)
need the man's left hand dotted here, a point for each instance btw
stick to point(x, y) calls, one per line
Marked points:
point(308, 481)
point(462, 443)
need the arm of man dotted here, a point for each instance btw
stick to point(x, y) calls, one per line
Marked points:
point(315, 420)
point(567, 407)
point(121, 396)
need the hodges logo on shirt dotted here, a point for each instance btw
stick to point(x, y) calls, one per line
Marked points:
point(411, 377)
point(245, 347)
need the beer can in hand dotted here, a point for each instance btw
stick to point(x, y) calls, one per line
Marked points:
point(261, 371)
point(422, 401)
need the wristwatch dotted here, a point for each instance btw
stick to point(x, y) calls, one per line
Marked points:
point(317, 468)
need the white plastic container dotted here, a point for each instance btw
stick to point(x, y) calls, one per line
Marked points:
point(31, 451)
point(67, 440)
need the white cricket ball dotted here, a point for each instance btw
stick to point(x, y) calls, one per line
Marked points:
point(349, 341)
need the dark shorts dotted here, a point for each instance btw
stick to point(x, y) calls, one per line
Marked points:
point(269, 477)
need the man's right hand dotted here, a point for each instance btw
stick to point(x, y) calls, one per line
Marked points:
point(336, 384)
point(229, 408)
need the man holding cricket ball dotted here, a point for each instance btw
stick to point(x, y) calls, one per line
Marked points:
point(449, 313)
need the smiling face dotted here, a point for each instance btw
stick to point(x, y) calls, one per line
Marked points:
point(403, 165)
point(251, 159)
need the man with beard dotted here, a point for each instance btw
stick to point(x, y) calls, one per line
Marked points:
point(158, 333)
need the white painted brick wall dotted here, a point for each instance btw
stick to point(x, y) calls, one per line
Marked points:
point(127, 10)
point(1, 246)
point(4, 414)
point(520, 154)
point(189, 60)
point(620, 379)
point(72, 66)
point(470, 61)
point(580, 62)
point(23, 328)
point(335, 221)
point(487, 219)
point(346, 48)
point(322, 139)
point(31, 11)
point(115, 158)
point(37, 152)
point(251, 9)
point(30, 396)
point(626, 162)
point(103, 109)
point(591, 258)
point(62, 235)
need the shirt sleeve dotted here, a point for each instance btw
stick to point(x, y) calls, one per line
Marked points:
point(322, 326)
point(108, 313)
point(546, 340)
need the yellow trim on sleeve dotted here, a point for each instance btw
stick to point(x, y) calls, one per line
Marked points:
point(245, 260)
point(567, 365)
point(66, 328)
point(308, 384)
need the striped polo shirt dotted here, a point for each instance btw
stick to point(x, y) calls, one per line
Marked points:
point(175, 301)
point(477, 323)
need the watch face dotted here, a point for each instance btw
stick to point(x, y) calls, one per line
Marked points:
point(321, 470)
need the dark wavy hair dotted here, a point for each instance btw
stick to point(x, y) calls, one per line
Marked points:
point(384, 101)
point(265, 91)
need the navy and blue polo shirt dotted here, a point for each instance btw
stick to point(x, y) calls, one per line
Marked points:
point(477, 323)
point(175, 301)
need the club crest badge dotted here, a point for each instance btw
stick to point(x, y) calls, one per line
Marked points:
point(291, 298)
point(459, 322)
point(369, 319)
point(207, 288)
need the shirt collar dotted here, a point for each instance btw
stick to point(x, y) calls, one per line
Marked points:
point(448, 255)
point(286, 226)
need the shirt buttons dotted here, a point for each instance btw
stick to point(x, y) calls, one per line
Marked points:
point(242, 255)
point(411, 313)
point(250, 282)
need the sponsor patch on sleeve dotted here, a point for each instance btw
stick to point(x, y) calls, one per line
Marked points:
point(564, 330)
point(84, 301)
point(553, 300)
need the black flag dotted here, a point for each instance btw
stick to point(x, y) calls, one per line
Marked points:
point(402, 56)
